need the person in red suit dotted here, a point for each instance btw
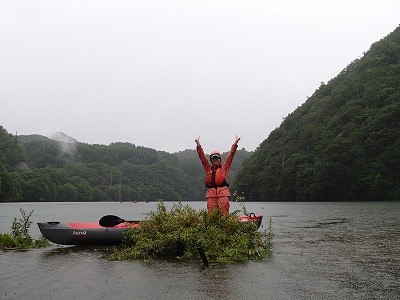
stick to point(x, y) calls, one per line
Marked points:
point(217, 192)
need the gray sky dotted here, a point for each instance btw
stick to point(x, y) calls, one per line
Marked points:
point(159, 73)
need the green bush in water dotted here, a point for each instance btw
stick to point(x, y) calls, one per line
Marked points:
point(19, 237)
point(180, 231)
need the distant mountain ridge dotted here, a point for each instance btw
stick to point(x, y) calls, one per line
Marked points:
point(32, 138)
point(62, 137)
point(58, 136)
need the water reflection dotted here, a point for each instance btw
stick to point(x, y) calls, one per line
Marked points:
point(216, 281)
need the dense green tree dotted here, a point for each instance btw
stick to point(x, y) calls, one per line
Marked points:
point(11, 152)
point(10, 185)
point(67, 193)
point(84, 190)
point(36, 190)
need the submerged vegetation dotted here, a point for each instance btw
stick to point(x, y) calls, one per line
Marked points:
point(181, 231)
point(19, 238)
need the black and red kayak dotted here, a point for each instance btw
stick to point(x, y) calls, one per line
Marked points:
point(108, 231)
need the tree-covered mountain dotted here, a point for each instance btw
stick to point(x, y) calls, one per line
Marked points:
point(37, 168)
point(343, 143)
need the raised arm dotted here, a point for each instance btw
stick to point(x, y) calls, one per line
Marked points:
point(197, 140)
point(237, 139)
point(228, 161)
point(200, 153)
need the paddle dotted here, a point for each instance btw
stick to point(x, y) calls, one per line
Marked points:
point(110, 221)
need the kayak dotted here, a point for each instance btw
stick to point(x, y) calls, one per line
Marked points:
point(84, 233)
point(251, 218)
point(108, 231)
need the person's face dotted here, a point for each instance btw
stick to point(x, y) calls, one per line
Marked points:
point(215, 161)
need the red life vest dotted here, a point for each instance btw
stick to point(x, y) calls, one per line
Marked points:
point(214, 178)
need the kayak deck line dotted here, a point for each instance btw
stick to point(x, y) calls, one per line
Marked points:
point(97, 225)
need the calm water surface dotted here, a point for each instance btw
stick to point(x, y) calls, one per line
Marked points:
point(321, 251)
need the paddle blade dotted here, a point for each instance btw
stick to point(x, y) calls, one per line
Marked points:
point(110, 221)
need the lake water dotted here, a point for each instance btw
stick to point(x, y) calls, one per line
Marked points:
point(321, 251)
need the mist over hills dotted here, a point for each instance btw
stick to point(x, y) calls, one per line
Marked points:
point(57, 136)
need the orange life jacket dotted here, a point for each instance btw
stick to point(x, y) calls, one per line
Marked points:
point(214, 178)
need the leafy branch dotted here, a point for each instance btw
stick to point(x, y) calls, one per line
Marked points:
point(20, 239)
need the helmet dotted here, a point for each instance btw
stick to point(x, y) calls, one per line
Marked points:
point(215, 154)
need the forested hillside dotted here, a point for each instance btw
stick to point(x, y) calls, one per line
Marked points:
point(36, 168)
point(343, 143)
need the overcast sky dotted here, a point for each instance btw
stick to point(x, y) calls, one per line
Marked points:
point(159, 73)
